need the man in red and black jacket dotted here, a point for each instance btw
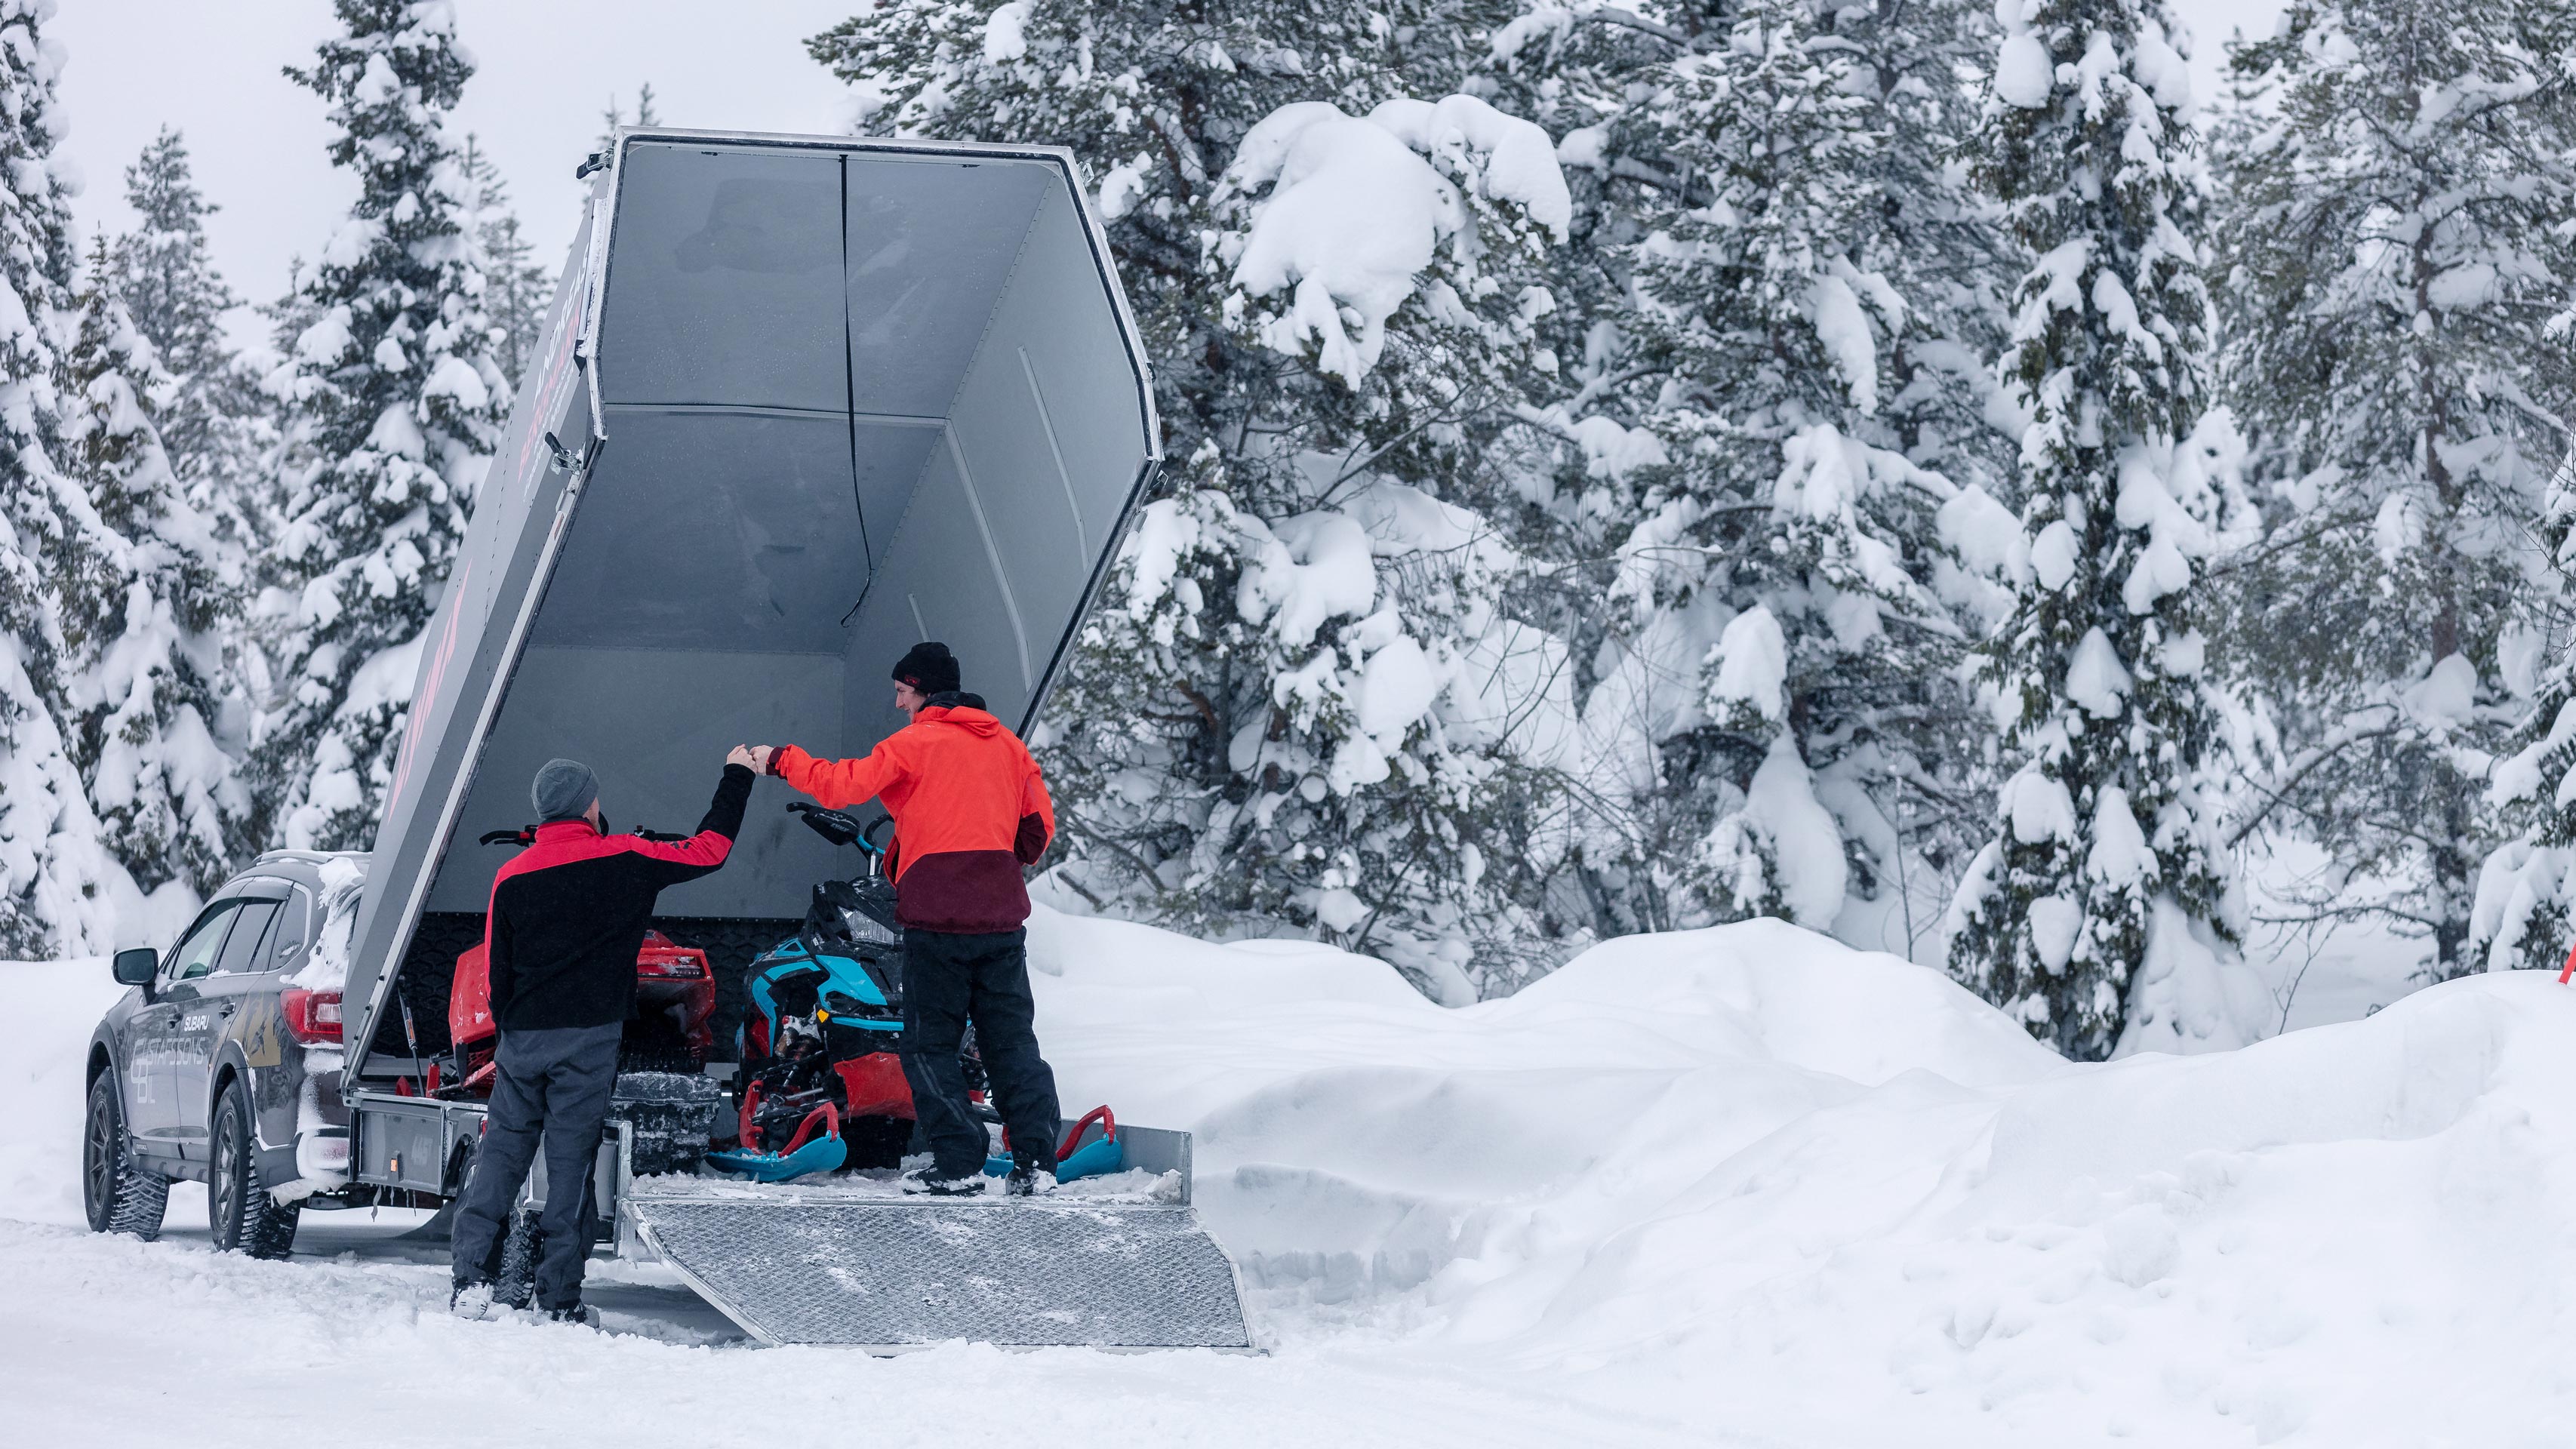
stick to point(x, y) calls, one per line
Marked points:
point(970, 810)
point(567, 918)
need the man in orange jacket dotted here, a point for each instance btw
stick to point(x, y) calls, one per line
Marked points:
point(970, 809)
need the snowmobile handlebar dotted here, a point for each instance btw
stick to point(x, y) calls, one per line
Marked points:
point(527, 835)
point(839, 827)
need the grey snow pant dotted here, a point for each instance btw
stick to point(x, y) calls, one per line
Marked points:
point(556, 1083)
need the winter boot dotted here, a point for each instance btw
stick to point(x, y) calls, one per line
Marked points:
point(582, 1314)
point(927, 1179)
point(472, 1299)
point(1028, 1180)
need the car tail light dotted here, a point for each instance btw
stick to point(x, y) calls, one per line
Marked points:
point(313, 1016)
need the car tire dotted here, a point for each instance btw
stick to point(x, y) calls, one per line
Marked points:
point(238, 1206)
point(120, 1194)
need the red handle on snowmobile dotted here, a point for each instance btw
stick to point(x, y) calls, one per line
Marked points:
point(743, 1130)
point(831, 1118)
point(1108, 1130)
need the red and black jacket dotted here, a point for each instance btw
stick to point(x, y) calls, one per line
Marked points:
point(570, 912)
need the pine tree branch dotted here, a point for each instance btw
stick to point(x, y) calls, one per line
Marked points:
point(2271, 548)
point(1135, 862)
point(1630, 20)
point(2322, 755)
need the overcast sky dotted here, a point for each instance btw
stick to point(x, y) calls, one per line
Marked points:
point(545, 71)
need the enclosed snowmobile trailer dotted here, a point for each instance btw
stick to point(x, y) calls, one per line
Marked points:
point(803, 401)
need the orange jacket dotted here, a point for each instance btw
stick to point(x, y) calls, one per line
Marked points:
point(969, 805)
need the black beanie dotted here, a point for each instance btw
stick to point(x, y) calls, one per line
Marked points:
point(928, 667)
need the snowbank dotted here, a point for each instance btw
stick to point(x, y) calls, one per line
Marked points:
point(1838, 1196)
point(44, 1037)
point(1742, 1185)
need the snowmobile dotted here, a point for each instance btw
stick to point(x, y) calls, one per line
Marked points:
point(821, 1066)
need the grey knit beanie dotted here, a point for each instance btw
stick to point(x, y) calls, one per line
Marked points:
point(564, 790)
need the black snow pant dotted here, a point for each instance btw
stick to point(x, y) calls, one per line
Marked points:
point(555, 1083)
point(948, 981)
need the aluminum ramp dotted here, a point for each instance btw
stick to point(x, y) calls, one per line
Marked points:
point(885, 1273)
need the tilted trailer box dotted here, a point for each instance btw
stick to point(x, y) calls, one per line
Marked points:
point(803, 402)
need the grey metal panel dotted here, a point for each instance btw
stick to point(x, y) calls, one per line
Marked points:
point(929, 251)
point(889, 452)
point(1037, 531)
point(1051, 437)
point(408, 1142)
point(716, 530)
point(1042, 366)
point(655, 725)
point(1000, 548)
point(1157, 1150)
point(724, 279)
point(946, 577)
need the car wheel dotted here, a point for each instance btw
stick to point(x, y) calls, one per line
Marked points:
point(119, 1192)
point(245, 1218)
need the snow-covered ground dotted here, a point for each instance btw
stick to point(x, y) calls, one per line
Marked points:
point(1740, 1186)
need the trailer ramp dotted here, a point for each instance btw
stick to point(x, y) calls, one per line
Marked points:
point(884, 1273)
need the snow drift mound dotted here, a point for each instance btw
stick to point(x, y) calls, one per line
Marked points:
point(1833, 1192)
point(52, 1006)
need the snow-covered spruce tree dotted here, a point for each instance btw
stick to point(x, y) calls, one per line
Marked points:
point(516, 290)
point(2400, 224)
point(2105, 893)
point(143, 593)
point(163, 275)
point(58, 889)
point(393, 404)
point(1780, 376)
point(218, 429)
point(1277, 720)
point(2524, 914)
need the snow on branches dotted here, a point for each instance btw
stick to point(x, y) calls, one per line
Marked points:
point(60, 891)
point(2101, 915)
point(1779, 432)
point(394, 402)
point(2400, 233)
point(1357, 211)
point(142, 667)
